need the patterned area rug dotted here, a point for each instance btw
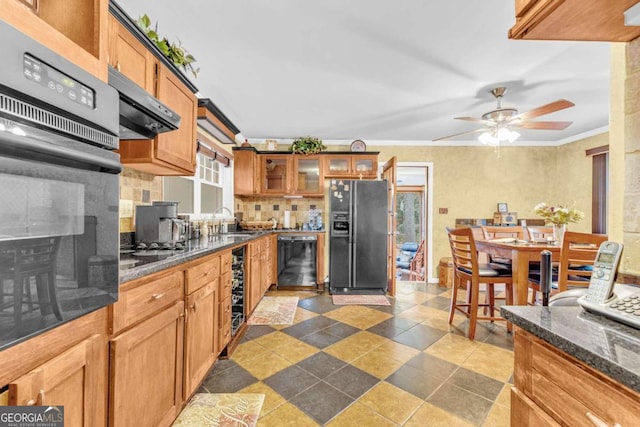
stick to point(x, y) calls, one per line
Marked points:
point(221, 409)
point(360, 300)
point(274, 311)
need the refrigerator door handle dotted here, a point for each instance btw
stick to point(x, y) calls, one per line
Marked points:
point(353, 238)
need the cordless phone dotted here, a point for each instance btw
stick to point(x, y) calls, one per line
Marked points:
point(600, 297)
point(604, 272)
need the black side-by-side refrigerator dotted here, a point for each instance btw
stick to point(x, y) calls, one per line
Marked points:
point(358, 237)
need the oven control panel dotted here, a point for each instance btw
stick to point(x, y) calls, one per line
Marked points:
point(45, 75)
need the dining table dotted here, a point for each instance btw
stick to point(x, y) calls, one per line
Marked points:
point(521, 253)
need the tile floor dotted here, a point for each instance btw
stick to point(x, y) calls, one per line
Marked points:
point(398, 365)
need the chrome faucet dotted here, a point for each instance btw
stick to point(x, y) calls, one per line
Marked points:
point(222, 228)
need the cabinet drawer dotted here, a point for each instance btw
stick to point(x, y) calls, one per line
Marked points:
point(525, 413)
point(225, 321)
point(225, 286)
point(140, 299)
point(225, 262)
point(568, 389)
point(202, 274)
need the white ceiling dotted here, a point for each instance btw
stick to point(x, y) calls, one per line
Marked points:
point(386, 72)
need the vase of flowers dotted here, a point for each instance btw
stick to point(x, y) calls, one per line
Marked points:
point(558, 216)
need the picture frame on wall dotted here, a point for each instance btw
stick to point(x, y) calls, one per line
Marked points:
point(503, 207)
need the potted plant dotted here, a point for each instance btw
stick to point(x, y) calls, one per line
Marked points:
point(175, 52)
point(307, 145)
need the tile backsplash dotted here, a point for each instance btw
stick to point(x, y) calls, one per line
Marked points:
point(263, 208)
point(136, 188)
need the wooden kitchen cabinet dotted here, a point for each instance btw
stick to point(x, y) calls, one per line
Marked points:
point(169, 153)
point(553, 388)
point(588, 20)
point(224, 300)
point(308, 174)
point(246, 172)
point(75, 379)
point(130, 57)
point(266, 264)
point(146, 350)
point(255, 282)
point(74, 29)
point(201, 346)
point(351, 166)
point(276, 173)
point(146, 371)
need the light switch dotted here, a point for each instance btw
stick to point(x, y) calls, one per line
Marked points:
point(443, 210)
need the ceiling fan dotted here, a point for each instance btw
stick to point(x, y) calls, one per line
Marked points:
point(499, 123)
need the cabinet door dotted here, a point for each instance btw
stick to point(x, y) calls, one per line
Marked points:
point(177, 147)
point(75, 379)
point(130, 57)
point(146, 371)
point(254, 276)
point(337, 165)
point(308, 175)
point(201, 336)
point(275, 173)
point(365, 166)
point(245, 175)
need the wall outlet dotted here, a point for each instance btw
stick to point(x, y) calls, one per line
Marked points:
point(443, 210)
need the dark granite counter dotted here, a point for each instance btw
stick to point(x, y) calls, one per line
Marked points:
point(610, 347)
point(133, 267)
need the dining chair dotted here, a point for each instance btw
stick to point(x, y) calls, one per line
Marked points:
point(577, 256)
point(539, 233)
point(467, 269)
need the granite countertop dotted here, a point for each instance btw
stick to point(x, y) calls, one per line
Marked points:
point(608, 346)
point(134, 267)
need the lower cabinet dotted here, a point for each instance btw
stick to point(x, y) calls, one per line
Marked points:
point(553, 388)
point(146, 371)
point(201, 336)
point(73, 380)
point(254, 288)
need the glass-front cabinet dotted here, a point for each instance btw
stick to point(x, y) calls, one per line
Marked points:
point(308, 175)
point(355, 166)
point(276, 173)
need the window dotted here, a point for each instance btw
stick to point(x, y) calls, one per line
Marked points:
point(209, 189)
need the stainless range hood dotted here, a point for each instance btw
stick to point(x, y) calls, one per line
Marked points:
point(141, 115)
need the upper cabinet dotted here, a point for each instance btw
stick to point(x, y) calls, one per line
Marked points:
point(130, 57)
point(130, 52)
point(352, 166)
point(75, 29)
point(259, 173)
point(589, 20)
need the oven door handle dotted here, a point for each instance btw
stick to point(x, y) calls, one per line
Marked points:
point(34, 149)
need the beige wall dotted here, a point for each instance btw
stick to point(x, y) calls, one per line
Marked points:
point(470, 181)
point(626, 110)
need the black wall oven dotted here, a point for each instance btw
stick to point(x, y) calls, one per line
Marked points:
point(59, 190)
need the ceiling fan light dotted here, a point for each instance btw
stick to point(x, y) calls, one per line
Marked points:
point(513, 135)
point(503, 133)
point(485, 138)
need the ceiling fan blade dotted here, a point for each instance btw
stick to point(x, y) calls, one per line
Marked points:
point(552, 107)
point(460, 134)
point(475, 120)
point(541, 125)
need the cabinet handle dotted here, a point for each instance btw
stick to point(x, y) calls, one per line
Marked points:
point(157, 296)
point(193, 306)
point(40, 398)
point(118, 65)
point(598, 422)
point(30, 402)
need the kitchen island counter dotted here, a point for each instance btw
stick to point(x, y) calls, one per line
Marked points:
point(607, 346)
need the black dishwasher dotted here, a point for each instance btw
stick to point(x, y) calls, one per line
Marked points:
point(297, 260)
